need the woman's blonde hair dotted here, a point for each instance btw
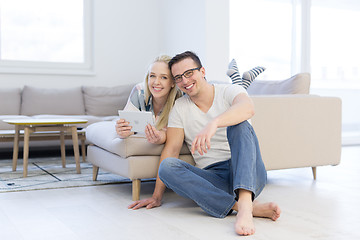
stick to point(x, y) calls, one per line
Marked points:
point(174, 94)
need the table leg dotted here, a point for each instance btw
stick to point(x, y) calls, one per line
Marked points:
point(62, 148)
point(76, 147)
point(16, 147)
point(26, 150)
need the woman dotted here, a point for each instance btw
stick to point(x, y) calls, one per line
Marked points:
point(158, 96)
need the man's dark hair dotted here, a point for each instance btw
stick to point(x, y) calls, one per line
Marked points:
point(184, 55)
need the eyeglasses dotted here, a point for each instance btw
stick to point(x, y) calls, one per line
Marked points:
point(187, 74)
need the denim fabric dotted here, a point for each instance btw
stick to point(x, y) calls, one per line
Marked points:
point(214, 188)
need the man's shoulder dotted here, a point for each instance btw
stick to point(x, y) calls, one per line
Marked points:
point(182, 105)
point(182, 100)
point(222, 86)
point(229, 87)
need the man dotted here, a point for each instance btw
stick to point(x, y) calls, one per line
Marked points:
point(229, 173)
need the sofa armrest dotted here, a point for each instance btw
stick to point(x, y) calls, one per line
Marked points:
point(103, 135)
point(298, 130)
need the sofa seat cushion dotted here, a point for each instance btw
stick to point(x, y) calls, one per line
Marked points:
point(109, 118)
point(103, 135)
point(67, 101)
point(10, 100)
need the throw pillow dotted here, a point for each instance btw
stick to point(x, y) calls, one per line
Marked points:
point(247, 77)
point(297, 84)
point(68, 101)
point(10, 101)
point(105, 101)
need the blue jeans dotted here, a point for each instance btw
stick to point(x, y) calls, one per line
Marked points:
point(215, 187)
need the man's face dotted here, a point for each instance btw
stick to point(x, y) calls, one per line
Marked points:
point(189, 76)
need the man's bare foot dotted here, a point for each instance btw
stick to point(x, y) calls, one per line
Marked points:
point(266, 210)
point(244, 224)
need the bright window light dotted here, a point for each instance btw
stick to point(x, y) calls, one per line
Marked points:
point(43, 36)
point(335, 45)
point(261, 35)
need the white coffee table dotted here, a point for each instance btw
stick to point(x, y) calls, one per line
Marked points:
point(58, 126)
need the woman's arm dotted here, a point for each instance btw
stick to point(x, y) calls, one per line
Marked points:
point(155, 136)
point(123, 129)
point(133, 104)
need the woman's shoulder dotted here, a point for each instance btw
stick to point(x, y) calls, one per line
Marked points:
point(137, 98)
point(139, 87)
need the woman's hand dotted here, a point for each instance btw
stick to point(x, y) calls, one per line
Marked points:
point(155, 136)
point(148, 203)
point(123, 129)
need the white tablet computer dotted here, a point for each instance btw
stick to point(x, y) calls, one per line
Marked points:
point(138, 120)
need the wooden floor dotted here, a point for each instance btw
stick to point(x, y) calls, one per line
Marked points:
point(327, 208)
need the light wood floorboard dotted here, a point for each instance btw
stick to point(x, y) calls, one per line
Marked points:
point(327, 208)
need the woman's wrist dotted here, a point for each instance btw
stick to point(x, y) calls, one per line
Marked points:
point(162, 136)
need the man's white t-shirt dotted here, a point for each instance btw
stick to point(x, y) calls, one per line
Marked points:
point(185, 114)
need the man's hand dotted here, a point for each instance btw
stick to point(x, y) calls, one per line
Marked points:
point(202, 141)
point(154, 136)
point(148, 203)
point(123, 129)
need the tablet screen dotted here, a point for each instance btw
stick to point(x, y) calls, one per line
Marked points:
point(138, 120)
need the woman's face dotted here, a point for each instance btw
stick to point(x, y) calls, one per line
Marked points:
point(160, 81)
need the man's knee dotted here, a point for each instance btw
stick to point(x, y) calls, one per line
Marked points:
point(168, 165)
point(241, 128)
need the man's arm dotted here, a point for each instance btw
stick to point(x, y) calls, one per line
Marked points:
point(174, 142)
point(242, 108)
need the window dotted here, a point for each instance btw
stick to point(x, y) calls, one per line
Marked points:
point(335, 65)
point(261, 35)
point(335, 45)
point(41, 36)
point(292, 36)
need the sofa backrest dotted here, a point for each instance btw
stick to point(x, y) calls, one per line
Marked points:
point(10, 100)
point(105, 101)
point(67, 101)
point(297, 84)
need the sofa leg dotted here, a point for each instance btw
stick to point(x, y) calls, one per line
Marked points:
point(314, 172)
point(83, 151)
point(136, 183)
point(95, 172)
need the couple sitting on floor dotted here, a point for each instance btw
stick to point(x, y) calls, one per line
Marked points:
point(212, 119)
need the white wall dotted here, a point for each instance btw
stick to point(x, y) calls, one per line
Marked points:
point(129, 34)
point(201, 26)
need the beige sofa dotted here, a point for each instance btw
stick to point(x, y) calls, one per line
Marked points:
point(295, 130)
point(91, 103)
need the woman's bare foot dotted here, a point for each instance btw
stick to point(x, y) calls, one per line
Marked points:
point(266, 210)
point(244, 224)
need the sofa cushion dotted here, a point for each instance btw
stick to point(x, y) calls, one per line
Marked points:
point(10, 100)
point(105, 101)
point(67, 101)
point(297, 84)
point(103, 135)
